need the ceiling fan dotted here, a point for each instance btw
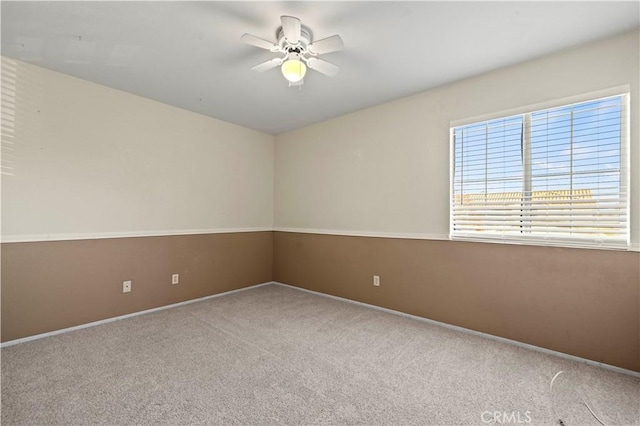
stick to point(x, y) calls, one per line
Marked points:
point(298, 49)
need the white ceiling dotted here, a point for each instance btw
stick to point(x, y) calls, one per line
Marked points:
point(189, 54)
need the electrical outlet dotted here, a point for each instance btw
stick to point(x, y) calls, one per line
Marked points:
point(376, 280)
point(126, 286)
point(175, 279)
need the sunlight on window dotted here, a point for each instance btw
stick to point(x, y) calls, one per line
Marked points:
point(20, 114)
point(7, 117)
point(551, 174)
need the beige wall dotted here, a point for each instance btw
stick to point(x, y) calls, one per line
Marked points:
point(386, 169)
point(90, 161)
point(82, 162)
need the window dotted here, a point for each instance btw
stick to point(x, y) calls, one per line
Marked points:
point(557, 176)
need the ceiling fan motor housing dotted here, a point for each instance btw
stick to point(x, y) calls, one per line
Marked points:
point(286, 46)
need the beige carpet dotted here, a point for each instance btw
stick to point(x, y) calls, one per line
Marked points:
point(276, 355)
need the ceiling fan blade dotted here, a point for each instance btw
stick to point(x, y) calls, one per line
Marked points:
point(326, 45)
point(324, 67)
point(258, 42)
point(272, 63)
point(292, 28)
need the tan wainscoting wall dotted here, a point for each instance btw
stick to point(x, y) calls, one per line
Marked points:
point(576, 301)
point(48, 286)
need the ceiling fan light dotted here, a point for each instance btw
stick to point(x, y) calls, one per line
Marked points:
point(294, 70)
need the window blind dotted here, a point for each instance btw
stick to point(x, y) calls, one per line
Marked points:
point(554, 176)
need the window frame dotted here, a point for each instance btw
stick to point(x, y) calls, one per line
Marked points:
point(526, 113)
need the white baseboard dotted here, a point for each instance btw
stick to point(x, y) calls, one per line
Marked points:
point(475, 333)
point(379, 308)
point(121, 317)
